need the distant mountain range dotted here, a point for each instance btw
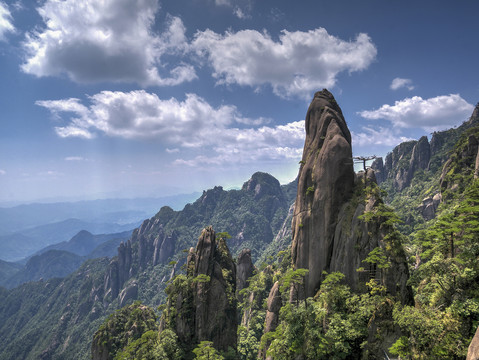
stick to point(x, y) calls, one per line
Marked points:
point(60, 260)
point(26, 229)
point(21, 245)
point(119, 211)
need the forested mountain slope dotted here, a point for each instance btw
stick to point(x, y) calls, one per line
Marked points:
point(72, 308)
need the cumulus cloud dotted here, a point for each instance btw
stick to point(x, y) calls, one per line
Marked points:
point(295, 65)
point(398, 83)
point(6, 24)
point(377, 136)
point(429, 114)
point(192, 123)
point(109, 40)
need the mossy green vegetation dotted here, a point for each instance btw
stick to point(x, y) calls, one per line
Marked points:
point(443, 253)
point(132, 333)
point(332, 325)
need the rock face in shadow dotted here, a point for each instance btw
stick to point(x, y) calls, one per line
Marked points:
point(325, 183)
point(244, 270)
point(205, 308)
point(355, 238)
point(379, 171)
point(421, 154)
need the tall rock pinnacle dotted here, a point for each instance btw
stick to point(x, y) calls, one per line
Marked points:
point(326, 181)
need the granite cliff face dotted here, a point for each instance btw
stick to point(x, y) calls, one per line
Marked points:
point(363, 228)
point(330, 232)
point(325, 183)
point(148, 245)
point(244, 270)
point(204, 306)
point(401, 164)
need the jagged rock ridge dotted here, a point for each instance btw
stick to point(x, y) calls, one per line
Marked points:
point(405, 159)
point(152, 247)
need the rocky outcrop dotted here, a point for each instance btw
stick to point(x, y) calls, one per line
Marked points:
point(329, 230)
point(379, 170)
point(129, 293)
point(273, 306)
point(271, 322)
point(244, 270)
point(473, 351)
point(397, 162)
point(421, 154)
point(405, 159)
point(356, 238)
point(325, 183)
point(206, 309)
point(471, 149)
point(120, 329)
point(152, 246)
point(429, 205)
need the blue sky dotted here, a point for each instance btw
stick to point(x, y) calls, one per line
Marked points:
point(121, 98)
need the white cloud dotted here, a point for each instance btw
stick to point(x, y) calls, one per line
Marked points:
point(192, 123)
point(296, 65)
point(265, 144)
point(398, 83)
point(429, 114)
point(2, 172)
point(75, 158)
point(6, 25)
point(241, 14)
point(377, 136)
point(109, 40)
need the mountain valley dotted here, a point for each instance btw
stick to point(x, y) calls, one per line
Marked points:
point(336, 264)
